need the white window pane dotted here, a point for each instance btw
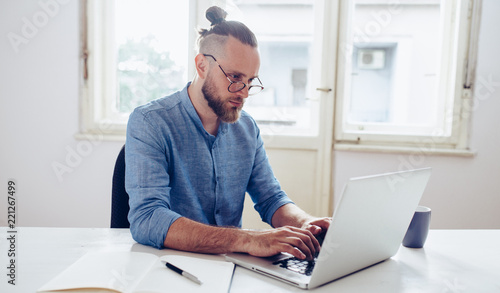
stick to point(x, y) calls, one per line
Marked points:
point(285, 31)
point(395, 66)
point(152, 48)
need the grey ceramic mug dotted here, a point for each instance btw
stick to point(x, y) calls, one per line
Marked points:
point(419, 228)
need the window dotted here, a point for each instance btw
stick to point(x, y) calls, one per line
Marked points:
point(401, 78)
point(151, 58)
point(133, 59)
point(400, 70)
point(133, 56)
point(285, 106)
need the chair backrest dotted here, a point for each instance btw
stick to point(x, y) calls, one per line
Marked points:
point(119, 197)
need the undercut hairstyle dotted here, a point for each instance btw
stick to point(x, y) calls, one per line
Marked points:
point(212, 40)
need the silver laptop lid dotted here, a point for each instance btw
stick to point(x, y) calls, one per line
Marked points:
point(369, 222)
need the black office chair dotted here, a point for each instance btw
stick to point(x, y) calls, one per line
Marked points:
point(119, 197)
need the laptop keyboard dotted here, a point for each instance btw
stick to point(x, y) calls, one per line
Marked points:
point(304, 267)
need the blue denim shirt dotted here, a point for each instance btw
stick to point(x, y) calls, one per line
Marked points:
point(174, 168)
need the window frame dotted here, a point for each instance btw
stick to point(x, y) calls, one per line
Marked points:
point(96, 117)
point(98, 69)
point(95, 113)
point(456, 142)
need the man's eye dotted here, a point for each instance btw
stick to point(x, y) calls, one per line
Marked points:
point(235, 77)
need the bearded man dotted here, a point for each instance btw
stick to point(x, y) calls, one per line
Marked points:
point(192, 156)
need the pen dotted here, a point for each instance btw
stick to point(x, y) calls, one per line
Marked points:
point(183, 273)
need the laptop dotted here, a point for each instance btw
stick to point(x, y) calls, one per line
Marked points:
point(369, 223)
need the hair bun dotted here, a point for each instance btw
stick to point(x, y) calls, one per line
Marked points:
point(216, 15)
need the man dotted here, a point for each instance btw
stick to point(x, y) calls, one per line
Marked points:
point(191, 157)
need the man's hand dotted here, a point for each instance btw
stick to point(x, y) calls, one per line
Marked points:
point(317, 226)
point(300, 243)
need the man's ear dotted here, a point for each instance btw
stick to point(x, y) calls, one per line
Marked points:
point(202, 65)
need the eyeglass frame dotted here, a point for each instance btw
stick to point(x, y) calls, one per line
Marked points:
point(231, 82)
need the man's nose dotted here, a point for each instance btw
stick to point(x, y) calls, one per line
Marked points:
point(243, 92)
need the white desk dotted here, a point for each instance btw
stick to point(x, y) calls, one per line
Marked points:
point(452, 261)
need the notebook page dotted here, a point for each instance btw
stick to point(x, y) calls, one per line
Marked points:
point(112, 271)
point(215, 276)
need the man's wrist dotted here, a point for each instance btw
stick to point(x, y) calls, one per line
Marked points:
point(291, 215)
point(241, 239)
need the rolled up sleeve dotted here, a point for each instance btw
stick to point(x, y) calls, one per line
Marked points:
point(263, 187)
point(147, 182)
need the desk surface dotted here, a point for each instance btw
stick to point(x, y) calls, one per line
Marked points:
point(452, 261)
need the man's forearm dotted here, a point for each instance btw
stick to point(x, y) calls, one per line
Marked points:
point(188, 235)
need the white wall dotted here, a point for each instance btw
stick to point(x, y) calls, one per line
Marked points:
point(39, 87)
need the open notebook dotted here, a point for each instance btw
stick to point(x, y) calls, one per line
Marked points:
point(140, 272)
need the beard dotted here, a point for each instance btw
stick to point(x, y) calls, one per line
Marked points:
point(226, 114)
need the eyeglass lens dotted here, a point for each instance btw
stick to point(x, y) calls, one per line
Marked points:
point(238, 86)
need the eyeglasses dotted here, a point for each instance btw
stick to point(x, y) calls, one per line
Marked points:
point(236, 86)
